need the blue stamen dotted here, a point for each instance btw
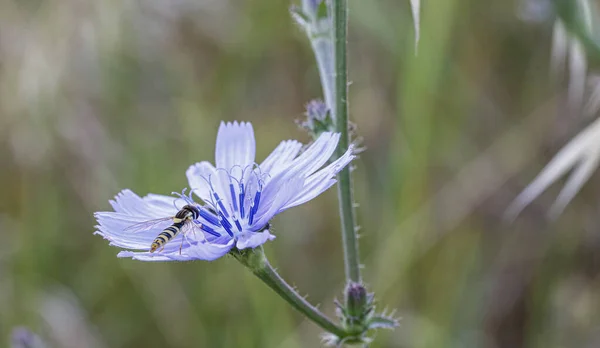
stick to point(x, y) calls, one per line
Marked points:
point(254, 207)
point(228, 229)
point(226, 225)
point(220, 203)
point(237, 224)
point(242, 194)
point(225, 222)
point(210, 230)
point(251, 217)
point(256, 202)
point(232, 190)
point(209, 217)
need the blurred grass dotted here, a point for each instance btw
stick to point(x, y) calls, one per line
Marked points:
point(96, 97)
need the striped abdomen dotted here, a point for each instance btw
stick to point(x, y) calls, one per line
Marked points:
point(166, 235)
point(185, 215)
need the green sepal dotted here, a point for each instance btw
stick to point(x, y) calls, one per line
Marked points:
point(254, 259)
point(300, 17)
point(322, 11)
point(382, 321)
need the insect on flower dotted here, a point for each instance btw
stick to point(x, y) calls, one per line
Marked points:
point(184, 221)
point(238, 198)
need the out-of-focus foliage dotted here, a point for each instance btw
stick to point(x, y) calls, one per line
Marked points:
point(582, 154)
point(99, 96)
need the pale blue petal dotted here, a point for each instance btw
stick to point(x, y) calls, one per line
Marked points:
point(221, 183)
point(235, 145)
point(253, 239)
point(166, 204)
point(144, 256)
point(204, 180)
point(267, 210)
point(280, 158)
point(320, 181)
point(309, 193)
point(127, 202)
point(207, 251)
point(312, 159)
point(198, 175)
point(113, 227)
point(328, 146)
point(131, 209)
point(197, 251)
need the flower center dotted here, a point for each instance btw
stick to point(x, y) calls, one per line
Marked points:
point(235, 198)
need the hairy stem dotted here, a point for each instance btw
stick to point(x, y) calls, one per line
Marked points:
point(340, 33)
point(257, 262)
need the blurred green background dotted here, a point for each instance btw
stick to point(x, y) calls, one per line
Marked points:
point(100, 96)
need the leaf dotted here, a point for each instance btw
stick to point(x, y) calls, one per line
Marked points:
point(416, 12)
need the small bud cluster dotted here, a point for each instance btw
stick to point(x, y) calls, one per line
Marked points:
point(358, 307)
point(318, 119)
point(358, 317)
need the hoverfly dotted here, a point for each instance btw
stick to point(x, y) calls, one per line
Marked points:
point(185, 220)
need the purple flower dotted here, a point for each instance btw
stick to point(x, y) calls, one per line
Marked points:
point(24, 338)
point(239, 198)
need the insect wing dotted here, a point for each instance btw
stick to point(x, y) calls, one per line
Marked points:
point(194, 229)
point(146, 225)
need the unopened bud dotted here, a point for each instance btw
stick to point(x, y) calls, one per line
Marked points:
point(356, 300)
point(318, 119)
point(317, 110)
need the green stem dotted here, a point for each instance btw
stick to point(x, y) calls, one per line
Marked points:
point(257, 262)
point(340, 33)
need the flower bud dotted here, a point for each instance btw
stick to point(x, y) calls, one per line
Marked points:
point(318, 119)
point(358, 304)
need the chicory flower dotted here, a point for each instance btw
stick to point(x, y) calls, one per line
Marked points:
point(238, 198)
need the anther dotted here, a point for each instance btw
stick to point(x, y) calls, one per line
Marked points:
point(242, 194)
point(226, 225)
point(225, 221)
point(254, 207)
point(210, 231)
point(209, 217)
point(237, 223)
point(228, 229)
point(232, 191)
point(220, 203)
